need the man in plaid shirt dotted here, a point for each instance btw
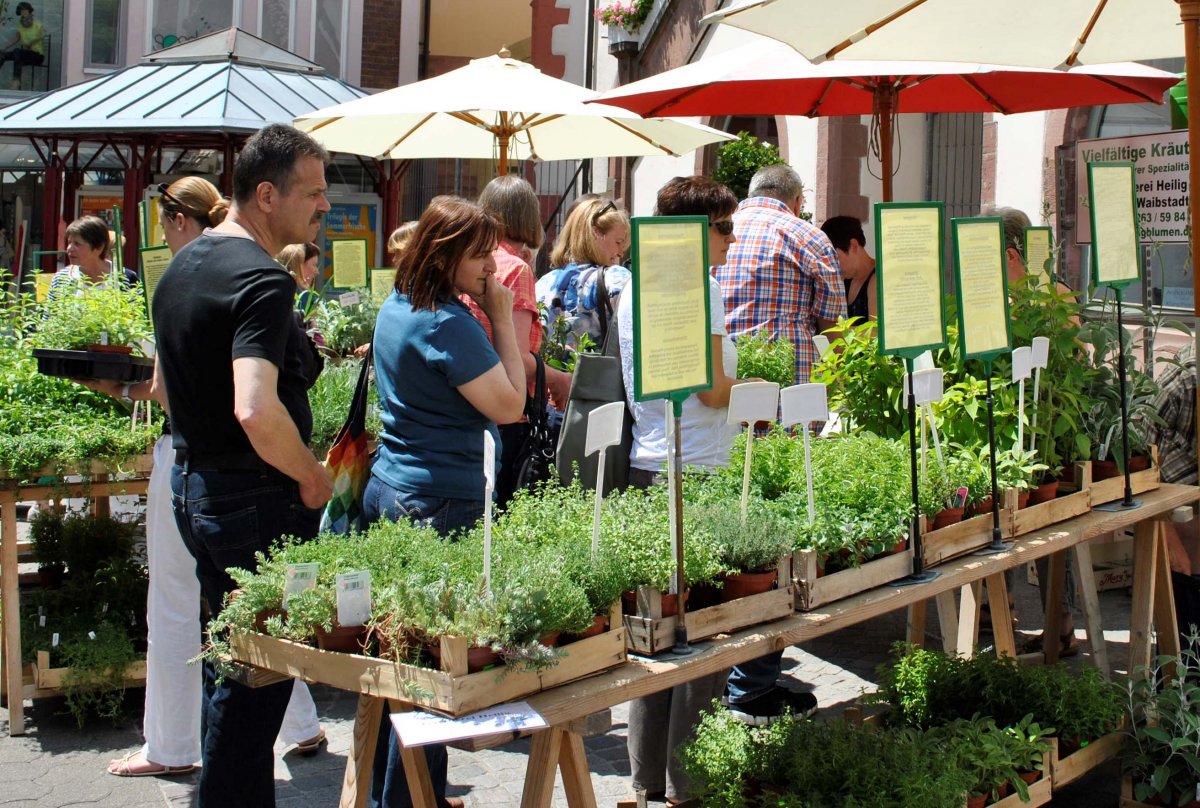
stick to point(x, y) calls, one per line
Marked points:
point(781, 277)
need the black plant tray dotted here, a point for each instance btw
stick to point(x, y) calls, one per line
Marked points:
point(119, 367)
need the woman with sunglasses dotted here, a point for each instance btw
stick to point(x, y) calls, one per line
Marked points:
point(172, 720)
point(588, 279)
point(658, 724)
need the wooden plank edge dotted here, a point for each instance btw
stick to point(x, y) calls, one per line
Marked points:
point(1070, 768)
point(811, 594)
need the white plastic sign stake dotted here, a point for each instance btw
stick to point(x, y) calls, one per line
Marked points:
point(489, 485)
point(927, 385)
point(298, 578)
point(603, 430)
point(750, 402)
point(1041, 358)
point(669, 417)
point(822, 343)
point(349, 299)
point(54, 640)
point(1022, 368)
point(924, 361)
point(803, 403)
point(353, 597)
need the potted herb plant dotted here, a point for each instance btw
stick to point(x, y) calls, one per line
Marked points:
point(46, 535)
point(750, 551)
point(94, 333)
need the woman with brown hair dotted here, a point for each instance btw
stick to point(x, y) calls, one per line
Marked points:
point(441, 385)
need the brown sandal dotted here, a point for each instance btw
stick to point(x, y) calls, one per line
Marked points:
point(141, 767)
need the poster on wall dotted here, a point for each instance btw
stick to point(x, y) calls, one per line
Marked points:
point(1161, 163)
point(99, 200)
point(352, 216)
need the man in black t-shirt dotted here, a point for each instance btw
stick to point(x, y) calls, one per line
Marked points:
point(234, 364)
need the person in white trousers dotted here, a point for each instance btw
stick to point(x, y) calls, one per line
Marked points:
point(171, 725)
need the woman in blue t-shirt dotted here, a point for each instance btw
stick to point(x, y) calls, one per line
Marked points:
point(441, 385)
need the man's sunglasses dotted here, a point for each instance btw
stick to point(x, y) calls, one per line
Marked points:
point(725, 228)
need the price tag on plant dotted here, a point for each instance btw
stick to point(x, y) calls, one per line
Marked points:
point(751, 402)
point(927, 385)
point(1022, 363)
point(803, 403)
point(298, 578)
point(353, 597)
point(349, 299)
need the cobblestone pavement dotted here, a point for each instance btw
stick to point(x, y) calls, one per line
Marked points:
point(55, 764)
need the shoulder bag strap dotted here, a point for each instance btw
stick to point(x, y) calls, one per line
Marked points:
point(602, 304)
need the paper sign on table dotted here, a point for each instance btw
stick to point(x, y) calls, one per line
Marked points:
point(353, 597)
point(750, 402)
point(803, 403)
point(416, 728)
point(1022, 363)
point(604, 427)
point(298, 578)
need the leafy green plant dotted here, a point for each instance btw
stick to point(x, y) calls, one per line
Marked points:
point(760, 357)
point(95, 679)
point(344, 328)
point(738, 160)
point(1018, 469)
point(46, 535)
point(753, 546)
point(81, 314)
point(864, 386)
point(1162, 755)
point(561, 346)
point(330, 400)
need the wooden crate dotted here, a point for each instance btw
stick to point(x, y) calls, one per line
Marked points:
point(136, 466)
point(1039, 792)
point(969, 535)
point(1127, 800)
point(1140, 481)
point(452, 690)
point(1068, 504)
point(1064, 770)
point(813, 591)
point(48, 678)
point(648, 632)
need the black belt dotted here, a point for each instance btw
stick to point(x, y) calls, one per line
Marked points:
point(233, 461)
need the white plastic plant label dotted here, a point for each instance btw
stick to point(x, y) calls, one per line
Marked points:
point(923, 362)
point(1041, 351)
point(1022, 363)
point(91, 635)
point(489, 460)
point(803, 403)
point(751, 402)
point(822, 343)
point(41, 621)
point(928, 385)
point(353, 597)
point(298, 578)
point(349, 299)
point(604, 427)
point(54, 640)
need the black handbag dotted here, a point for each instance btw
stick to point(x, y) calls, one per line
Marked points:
point(535, 458)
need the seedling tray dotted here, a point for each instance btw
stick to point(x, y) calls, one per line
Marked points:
point(649, 633)
point(120, 367)
point(451, 691)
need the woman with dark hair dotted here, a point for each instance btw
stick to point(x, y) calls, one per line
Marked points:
point(441, 385)
point(27, 46)
point(513, 201)
point(88, 264)
point(857, 265)
point(660, 723)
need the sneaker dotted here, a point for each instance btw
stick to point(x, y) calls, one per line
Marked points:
point(771, 706)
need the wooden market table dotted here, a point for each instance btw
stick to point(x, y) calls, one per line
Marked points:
point(560, 747)
point(97, 484)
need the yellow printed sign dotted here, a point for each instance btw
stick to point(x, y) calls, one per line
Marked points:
point(671, 329)
point(909, 268)
point(41, 289)
point(349, 262)
point(1114, 223)
point(1038, 252)
point(154, 264)
point(982, 296)
point(383, 282)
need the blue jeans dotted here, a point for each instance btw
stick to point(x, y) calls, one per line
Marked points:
point(755, 678)
point(225, 517)
point(389, 786)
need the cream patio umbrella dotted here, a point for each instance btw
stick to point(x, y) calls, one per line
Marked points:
point(498, 108)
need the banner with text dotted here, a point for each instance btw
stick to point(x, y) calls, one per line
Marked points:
point(1161, 164)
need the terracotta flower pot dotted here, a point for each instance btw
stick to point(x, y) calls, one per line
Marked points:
point(1030, 777)
point(550, 639)
point(1105, 469)
point(977, 800)
point(479, 657)
point(984, 507)
point(1022, 500)
point(599, 624)
point(898, 547)
point(947, 517)
point(343, 639)
point(669, 607)
point(1044, 492)
point(122, 349)
point(702, 596)
point(260, 619)
point(744, 584)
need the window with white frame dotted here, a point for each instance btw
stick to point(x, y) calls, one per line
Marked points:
point(277, 21)
point(176, 21)
point(329, 35)
point(104, 33)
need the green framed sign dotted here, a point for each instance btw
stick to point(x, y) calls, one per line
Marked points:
point(981, 281)
point(154, 264)
point(910, 285)
point(349, 256)
point(1112, 198)
point(1039, 253)
point(383, 282)
point(672, 343)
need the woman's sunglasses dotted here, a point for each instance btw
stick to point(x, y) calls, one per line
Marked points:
point(610, 205)
point(162, 189)
point(725, 228)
